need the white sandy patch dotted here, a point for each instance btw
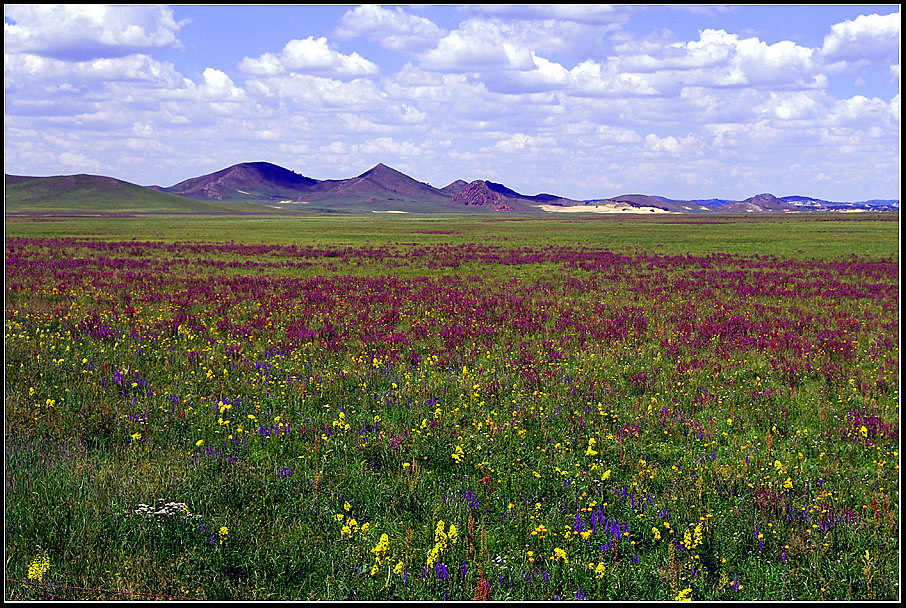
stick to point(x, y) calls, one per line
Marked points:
point(243, 191)
point(611, 208)
point(391, 211)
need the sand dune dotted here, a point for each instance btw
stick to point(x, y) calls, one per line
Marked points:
point(605, 208)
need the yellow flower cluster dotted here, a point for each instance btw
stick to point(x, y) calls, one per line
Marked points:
point(380, 552)
point(441, 540)
point(341, 424)
point(458, 453)
point(39, 567)
point(600, 569)
point(351, 526)
point(684, 596)
point(692, 539)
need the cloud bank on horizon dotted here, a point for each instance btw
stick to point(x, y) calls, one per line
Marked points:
point(585, 101)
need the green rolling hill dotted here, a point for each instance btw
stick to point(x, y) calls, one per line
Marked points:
point(98, 194)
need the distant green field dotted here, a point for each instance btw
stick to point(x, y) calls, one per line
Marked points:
point(821, 236)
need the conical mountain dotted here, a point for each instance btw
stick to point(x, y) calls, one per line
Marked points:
point(380, 183)
point(245, 181)
point(455, 186)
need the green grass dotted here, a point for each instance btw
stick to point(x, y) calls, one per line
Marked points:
point(825, 236)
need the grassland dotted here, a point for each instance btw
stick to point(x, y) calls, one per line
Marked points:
point(427, 408)
point(820, 236)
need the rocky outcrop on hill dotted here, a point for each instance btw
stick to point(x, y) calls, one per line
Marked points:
point(767, 201)
point(760, 203)
point(478, 193)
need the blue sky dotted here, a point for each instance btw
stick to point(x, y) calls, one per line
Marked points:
point(585, 101)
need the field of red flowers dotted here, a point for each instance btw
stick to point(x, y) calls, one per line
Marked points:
point(448, 420)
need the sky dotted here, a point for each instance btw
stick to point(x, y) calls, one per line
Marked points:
point(583, 101)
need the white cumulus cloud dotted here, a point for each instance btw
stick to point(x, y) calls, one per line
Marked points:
point(393, 29)
point(867, 37)
point(309, 56)
point(477, 46)
point(76, 32)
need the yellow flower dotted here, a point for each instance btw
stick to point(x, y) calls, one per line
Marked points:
point(684, 595)
point(223, 533)
point(136, 436)
point(380, 549)
point(39, 567)
point(788, 483)
point(688, 541)
point(398, 568)
point(433, 554)
point(346, 506)
point(458, 454)
point(657, 533)
point(600, 570)
point(559, 554)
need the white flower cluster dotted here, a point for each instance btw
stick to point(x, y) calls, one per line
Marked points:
point(178, 509)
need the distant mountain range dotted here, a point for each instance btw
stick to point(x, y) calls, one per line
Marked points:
point(265, 187)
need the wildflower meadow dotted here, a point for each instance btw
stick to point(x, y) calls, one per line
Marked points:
point(395, 408)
